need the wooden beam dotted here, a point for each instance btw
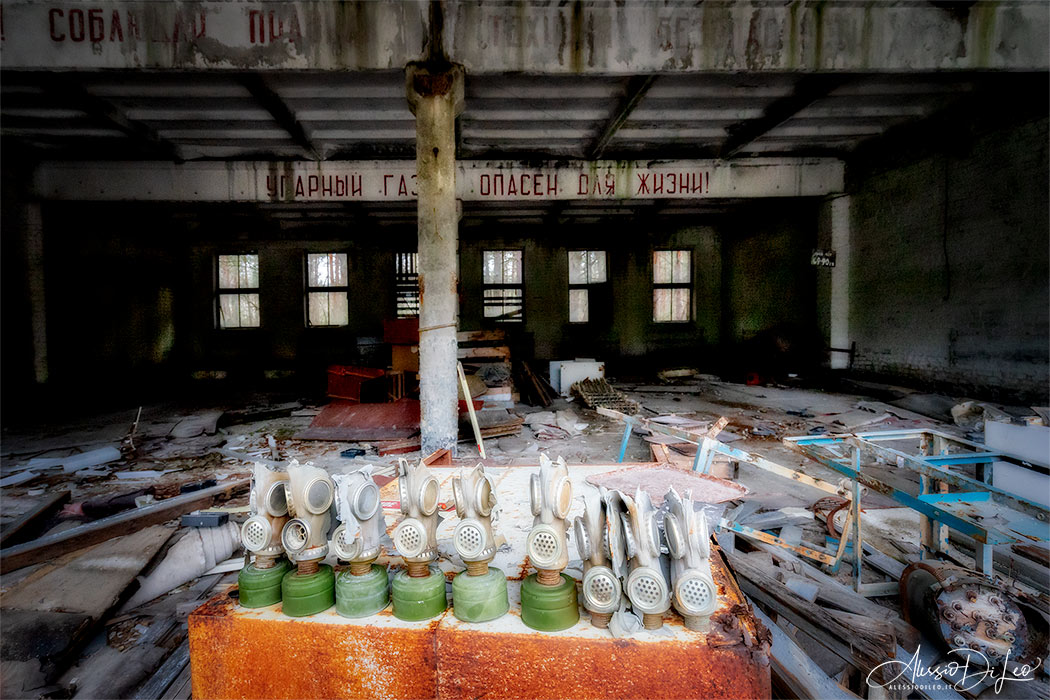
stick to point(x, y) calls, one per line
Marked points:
point(51, 546)
point(29, 524)
point(808, 90)
point(636, 88)
point(257, 85)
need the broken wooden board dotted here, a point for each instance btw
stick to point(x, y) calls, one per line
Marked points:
point(657, 480)
point(52, 545)
point(31, 523)
point(350, 422)
point(49, 614)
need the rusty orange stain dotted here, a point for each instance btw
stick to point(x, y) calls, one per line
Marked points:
point(242, 653)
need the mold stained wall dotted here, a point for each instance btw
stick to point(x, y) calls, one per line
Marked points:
point(950, 281)
point(130, 291)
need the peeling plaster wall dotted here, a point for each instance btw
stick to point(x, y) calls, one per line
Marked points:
point(950, 281)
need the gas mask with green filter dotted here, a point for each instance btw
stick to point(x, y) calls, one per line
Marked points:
point(419, 590)
point(309, 493)
point(689, 542)
point(480, 593)
point(364, 588)
point(259, 583)
point(548, 597)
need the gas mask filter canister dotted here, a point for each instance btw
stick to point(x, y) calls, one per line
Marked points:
point(418, 591)
point(364, 589)
point(548, 597)
point(310, 493)
point(479, 594)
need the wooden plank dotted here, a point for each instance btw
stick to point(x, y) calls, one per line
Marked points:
point(31, 523)
point(51, 546)
point(72, 594)
point(499, 352)
point(834, 593)
point(169, 671)
point(481, 336)
point(796, 669)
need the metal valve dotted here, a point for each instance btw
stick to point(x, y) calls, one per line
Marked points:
point(309, 492)
point(601, 587)
point(416, 535)
point(689, 542)
point(473, 538)
point(357, 505)
point(647, 586)
point(550, 493)
point(261, 533)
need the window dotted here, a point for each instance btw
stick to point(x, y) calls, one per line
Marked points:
point(586, 267)
point(240, 308)
point(672, 285)
point(501, 280)
point(406, 284)
point(326, 289)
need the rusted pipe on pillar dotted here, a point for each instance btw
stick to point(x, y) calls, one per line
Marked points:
point(435, 96)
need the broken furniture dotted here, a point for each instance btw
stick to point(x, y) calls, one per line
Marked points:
point(356, 384)
point(990, 515)
point(452, 658)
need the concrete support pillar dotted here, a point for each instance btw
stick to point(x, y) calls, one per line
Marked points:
point(839, 302)
point(436, 97)
point(33, 242)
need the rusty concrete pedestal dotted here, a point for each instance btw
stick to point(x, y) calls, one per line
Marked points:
point(261, 653)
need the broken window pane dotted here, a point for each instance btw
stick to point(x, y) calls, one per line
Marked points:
point(326, 269)
point(578, 312)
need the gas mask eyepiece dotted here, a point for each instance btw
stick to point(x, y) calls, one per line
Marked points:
point(688, 540)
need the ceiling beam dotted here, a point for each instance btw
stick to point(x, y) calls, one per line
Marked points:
point(636, 88)
point(72, 90)
point(270, 101)
point(808, 90)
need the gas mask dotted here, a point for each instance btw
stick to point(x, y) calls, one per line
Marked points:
point(647, 585)
point(261, 533)
point(550, 493)
point(473, 537)
point(416, 535)
point(601, 587)
point(688, 540)
point(357, 505)
point(309, 492)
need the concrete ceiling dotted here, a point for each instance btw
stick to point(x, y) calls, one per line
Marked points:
point(338, 116)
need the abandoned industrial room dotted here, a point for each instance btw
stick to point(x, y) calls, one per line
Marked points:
point(525, 349)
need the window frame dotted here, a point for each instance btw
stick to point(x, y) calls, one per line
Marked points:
point(401, 284)
point(345, 289)
point(221, 291)
point(586, 286)
point(486, 286)
point(672, 285)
